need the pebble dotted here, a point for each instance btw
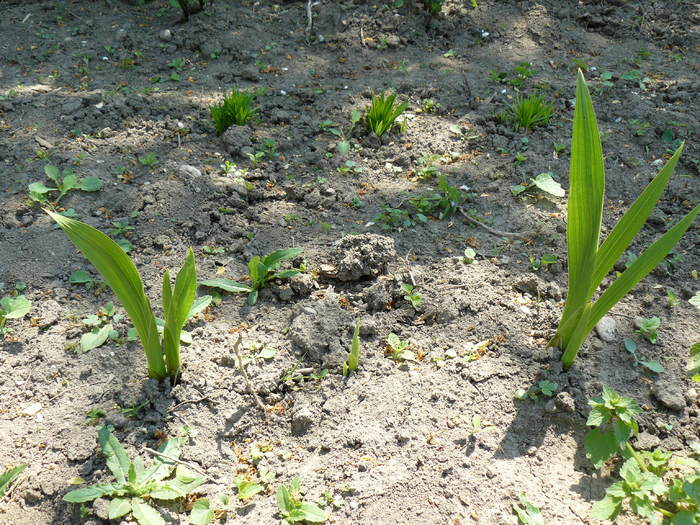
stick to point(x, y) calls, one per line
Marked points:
point(302, 419)
point(189, 171)
point(165, 35)
point(669, 395)
point(606, 329)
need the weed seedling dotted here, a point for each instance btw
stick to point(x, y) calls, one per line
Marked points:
point(588, 261)
point(383, 112)
point(149, 160)
point(648, 487)
point(544, 387)
point(398, 349)
point(137, 486)
point(293, 509)
point(236, 109)
point(121, 275)
point(260, 272)
point(65, 181)
point(648, 328)
point(412, 296)
point(100, 327)
point(354, 356)
point(12, 307)
point(631, 347)
point(672, 299)
point(537, 263)
point(528, 514)
point(544, 181)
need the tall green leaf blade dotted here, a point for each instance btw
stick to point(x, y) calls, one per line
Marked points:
point(632, 221)
point(585, 207)
point(115, 455)
point(175, 317)
point(646, 262)
point(120, 274)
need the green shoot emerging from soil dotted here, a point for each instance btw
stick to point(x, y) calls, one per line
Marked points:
point(528, 514)
point(236, 109)
point(137, 485)
point(649, 487)
point(12, 307)
point(120, 274)
point(293, 509)
point(648, 328)
point(7, 477)
point(354, 356)
point(64, 182)
point(529, 112)
point(588, 261)
point(260, 272)
point(382, 114)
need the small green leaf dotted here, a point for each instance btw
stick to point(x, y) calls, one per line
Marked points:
point(91, 493)
point(118, 507)
point(90, 183)
point(39, 187)
point(528, 514)
point(201, 513)
point(606, 509)
point(654, 366)
point(51, 172)
point(15, 307)
point(247, 489)
point(227, 285)
point(284, 500)
point(312, 513)
point(115, 455)
point(695, 300)
point(600, 446)
point(145, 514)
point(267, 353)
point(80, 277)
point(92, 340)
point(517, 189)
point(545, 182)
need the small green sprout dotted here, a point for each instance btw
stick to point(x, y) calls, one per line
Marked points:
point(398, 349)
point(382, 114)
point(260, 272)
point(136, 486)
point(12, 307)
point(411, 296)
point(148, 160)
point(648, 328)
point(528, 514)
point(354, 356)
point(545, 387)
point(7, 477)
point(631, 347)
point(293, 509)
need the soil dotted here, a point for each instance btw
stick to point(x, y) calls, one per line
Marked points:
point(97, 86)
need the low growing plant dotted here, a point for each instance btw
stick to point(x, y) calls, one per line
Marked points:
point(295, 510)
point(650, 487)
point(136, 486)
point(588, 261)
point(260, 272)
point(398, 349)
point(383, 112)
point(529, 112)
point(236, 109)
point(648, 327)
point(12, 307)
point(7, 477)
point(65, 181)
point(412, 296)
point(120, 274)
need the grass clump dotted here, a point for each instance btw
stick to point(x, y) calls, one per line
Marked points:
point(236, 109)
point(383, 112)
point(529, 112)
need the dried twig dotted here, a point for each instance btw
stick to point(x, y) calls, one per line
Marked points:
point(489, 229)
point(183, 463)
point(249, 383)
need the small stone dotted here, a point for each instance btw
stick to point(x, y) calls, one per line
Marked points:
point(161, 241)
point(165, 35)
point(550, 406)
point(606, 329)
point(691, 396)
point(189, 171)
point(669, 395)
point(565, 402)
point(71, 107)
point(51, 312)
point(302, 419)
point(647, 441)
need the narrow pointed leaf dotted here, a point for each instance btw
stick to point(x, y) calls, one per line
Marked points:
point(120, 274)
point(272, 260)
point(7, 477)
point(91, 493)
point(115, 456)
point(177, 312)
point(646, 262)
point(632, 221)
point(227, 285)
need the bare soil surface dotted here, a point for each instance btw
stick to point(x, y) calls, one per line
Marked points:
point(101, 87)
